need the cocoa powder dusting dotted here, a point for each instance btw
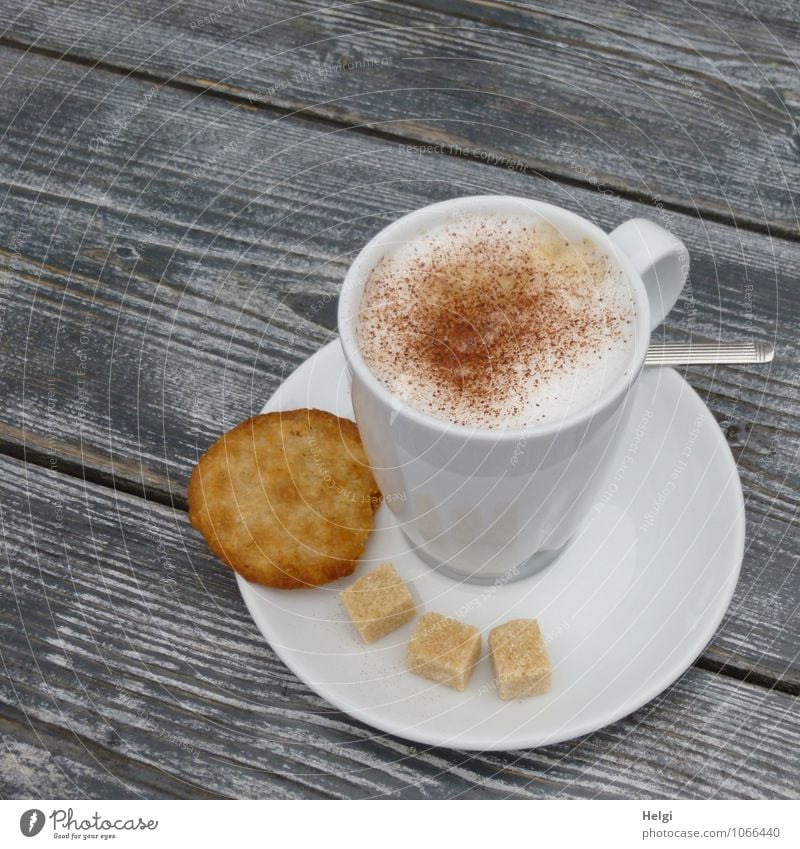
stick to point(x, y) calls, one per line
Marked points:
point(478, 320)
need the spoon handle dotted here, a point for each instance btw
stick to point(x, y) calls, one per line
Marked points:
point(708, 353)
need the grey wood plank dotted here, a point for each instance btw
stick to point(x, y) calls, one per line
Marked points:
point(693, 104)
point(134, 332)
point(41, 761)
point(119, 627)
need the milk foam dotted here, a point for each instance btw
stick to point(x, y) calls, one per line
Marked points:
point(497, 322)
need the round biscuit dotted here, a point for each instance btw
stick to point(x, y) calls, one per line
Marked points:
point(286, 499)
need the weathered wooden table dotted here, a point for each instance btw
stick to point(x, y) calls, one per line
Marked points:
point(183, 188)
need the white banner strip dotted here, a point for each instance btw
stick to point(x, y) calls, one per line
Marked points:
point(389, 824)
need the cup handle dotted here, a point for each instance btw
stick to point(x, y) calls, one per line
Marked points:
point(661, 260)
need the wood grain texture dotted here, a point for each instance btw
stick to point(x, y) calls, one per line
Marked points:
point(695, 104)
point(119, 628)
point(45, 761)
point(157, 290)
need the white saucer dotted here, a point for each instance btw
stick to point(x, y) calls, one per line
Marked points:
point(625, 610)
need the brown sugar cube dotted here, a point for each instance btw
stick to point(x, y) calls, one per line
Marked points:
point(378, 603)
point(519, 659)
point(444, 650)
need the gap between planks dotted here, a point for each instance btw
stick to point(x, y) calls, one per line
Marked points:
point(237, 96)
point(89, 474)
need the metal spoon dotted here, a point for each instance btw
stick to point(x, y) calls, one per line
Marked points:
point(708, 353)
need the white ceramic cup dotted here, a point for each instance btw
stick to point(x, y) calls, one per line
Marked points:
point(489, 505)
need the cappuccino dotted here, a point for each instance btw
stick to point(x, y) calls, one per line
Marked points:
point(497, 322)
